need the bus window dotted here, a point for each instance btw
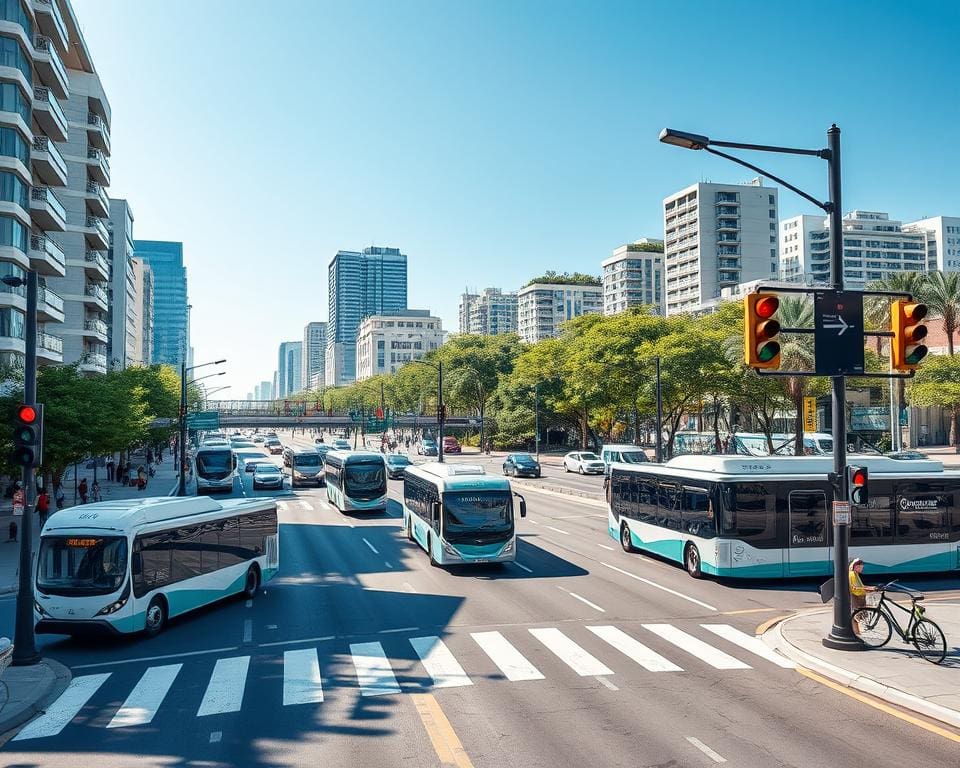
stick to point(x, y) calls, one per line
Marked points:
point(668, 506)
point(647, 507)
point(873, 522)
point(808, 519)
point(698, 517)
point(922, 516)
point(619, 493)
point(749, 514)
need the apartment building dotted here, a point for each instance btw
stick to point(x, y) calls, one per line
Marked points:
point(942, 235)
point(143, 301)
point(387, 342)
point(543, 307)
point(489, 312)
point(289, 368)
point(715, 236)
point(314, 355)
point(633, 277)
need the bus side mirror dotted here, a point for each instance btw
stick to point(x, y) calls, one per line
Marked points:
point(435, 510)
point(523, 505)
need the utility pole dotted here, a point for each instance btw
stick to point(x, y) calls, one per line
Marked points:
point(441, 416)
point(536, 416)
point(659, 443)
point(182, 439)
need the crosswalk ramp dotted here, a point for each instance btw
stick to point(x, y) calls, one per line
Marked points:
point(407, 665)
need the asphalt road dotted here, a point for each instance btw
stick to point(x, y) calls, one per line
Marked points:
point(361, 653)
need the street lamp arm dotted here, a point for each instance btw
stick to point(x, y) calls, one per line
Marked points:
point(827, 207)
point(821, 153)
point(203, 365)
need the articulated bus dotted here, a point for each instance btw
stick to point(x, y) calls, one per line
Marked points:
point(356, 480)
point(130, 566)
point(459, 514)
point(769, 517)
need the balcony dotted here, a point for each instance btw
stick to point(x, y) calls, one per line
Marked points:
point(48, 212)
point(96, 230)
point(96, 295)
point(96, 262)
point(98, 165)
point(96, 329)
point(48, 164)
point(97, 200)
point(51, 22)
point(47, 257)
point(49, 66)
point(98, 131)
point(93, 362)
point(49, 348)
point(49, 114)
point(49, 306)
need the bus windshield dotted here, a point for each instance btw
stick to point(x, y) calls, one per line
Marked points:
point(82, 565)
point(477, 516)
point(214, 464)
point(365, 480)
point(307, 459)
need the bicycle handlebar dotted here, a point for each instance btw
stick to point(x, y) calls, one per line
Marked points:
point(894, 586)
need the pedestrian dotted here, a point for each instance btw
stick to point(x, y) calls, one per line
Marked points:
point(12, 531)
point(61, 500)
point(111, 469)
point(141, 477)
point(96, 491)
point(43, 505)
point(131, 474)
point(83, 491)
point(149, 456)
point(858, 590)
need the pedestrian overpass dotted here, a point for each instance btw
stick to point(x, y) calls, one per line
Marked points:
point(265, 414)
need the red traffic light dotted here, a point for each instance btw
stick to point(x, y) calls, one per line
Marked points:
point(27, 414)
point(766, 307)
point(859, 477)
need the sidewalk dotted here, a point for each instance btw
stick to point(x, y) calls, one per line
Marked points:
point(894, 673)
point(26, 691)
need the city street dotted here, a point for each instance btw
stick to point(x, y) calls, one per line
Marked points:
point(361, 653)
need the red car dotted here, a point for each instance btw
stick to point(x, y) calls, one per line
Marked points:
point(451, 445)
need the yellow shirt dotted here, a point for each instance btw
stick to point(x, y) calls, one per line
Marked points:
point(856, 585)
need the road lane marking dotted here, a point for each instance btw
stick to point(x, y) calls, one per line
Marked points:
point(604, 546)
point(558, 530)
point(634, 649)
point(301, 677)
point(533, 522)
point(225, 690)
point(64, 709)
point(695, 647)
point(155, 658)
point(247, 631)
point(146, 697)
point(374, 674)
point(659, 586)
point(439, 662)
point(387, 564)
point(749, 643)
point(323, 639)
point(522, 567)
point(582, 599)
point(442, 736)
point(571, 654)
point(398, 629)
point(409, 587)
point(372, 548)
point(607, 683)
point(705, 749)
point(507, 658)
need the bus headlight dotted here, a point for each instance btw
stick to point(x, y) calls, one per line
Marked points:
point(450, 550)
point(508, 548)
point(113, 607)
point(39, 609)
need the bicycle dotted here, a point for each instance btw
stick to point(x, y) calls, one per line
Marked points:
point(876, 624)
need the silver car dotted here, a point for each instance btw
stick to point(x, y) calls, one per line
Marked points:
point(583, 462)
point(267, 475)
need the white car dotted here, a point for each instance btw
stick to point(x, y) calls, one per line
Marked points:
point(583, 462)
point(342, 445)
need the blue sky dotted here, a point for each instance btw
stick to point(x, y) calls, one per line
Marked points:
point(489, 141)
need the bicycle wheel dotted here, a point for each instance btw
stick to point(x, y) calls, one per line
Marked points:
point(929, 640)
point(874, 627)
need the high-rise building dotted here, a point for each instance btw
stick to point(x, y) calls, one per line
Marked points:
point(264, 390)
point(633, 277)
point(171, 323)
point(489, 312)
point(386, 342)
point(543, 307)
point(314, 355)
point(289, 368)
point(874, 247)
point(122, 310)
point(360, 284)
point(942, 234)
point(143, 300)
point(715, 236)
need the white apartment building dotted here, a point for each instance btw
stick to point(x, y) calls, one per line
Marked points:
point(543, 307)
point(489, 312)
point(314, 355)
point(387, 342)
point(122, 313)
point(942, 241)
point(874, 247)
point(143, 301)
point(715, 236)
point(633, 277)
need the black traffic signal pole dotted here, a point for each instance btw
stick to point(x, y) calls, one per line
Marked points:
point(440, 412)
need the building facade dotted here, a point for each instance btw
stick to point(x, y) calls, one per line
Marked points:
point(489, 312)
point(942, 235)
point(387, 342)
point(314, 355)
point(289, 368)
point(143, 300)
point(360, 284)
point(122, 310)
point(543, 307)
point(633, 277)
point(171, 313)
point(715, 236)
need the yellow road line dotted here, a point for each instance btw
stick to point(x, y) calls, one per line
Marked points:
point(770, 622)
point(441, 733)
point(881, 706)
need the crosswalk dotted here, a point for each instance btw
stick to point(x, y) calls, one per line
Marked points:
point(375, 672)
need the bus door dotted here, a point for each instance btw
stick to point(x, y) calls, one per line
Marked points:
point(808, 551)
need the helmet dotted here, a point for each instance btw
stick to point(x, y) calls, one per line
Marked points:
point(856, 561)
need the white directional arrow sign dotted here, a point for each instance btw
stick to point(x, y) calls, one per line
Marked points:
point(838, 332)
point(839, 323)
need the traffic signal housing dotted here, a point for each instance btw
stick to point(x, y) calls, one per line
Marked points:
point(906, 350)
point(28, 435)
point(857, 485)
point(761, 330)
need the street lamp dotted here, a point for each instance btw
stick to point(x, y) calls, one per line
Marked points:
point(182, 442)
point(841, 635)
point(440, 411)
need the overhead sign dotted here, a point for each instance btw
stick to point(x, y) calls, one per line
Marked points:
point(203, 420)
point(163, 422)
point(809, 414)
point(838, 332)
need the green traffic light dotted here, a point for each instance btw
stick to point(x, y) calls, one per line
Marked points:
point(768, 351)
point(915, 355)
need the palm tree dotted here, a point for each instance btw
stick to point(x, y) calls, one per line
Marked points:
point(941, 293)
point(797, 354)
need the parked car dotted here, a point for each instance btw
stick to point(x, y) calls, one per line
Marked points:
point(397, 464)
point(273, 445)
point(521, 465)
point(427, 447)
point(342, 445)
point(451, 444)
point(583, 462)
point(267, 475)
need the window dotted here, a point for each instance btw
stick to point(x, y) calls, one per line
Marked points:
point(12, 144)
point(13, 233)
point(698, 518)
point(12, 323)
point(624, 486)
point(13, 100)
point(923, 512)
point(749, 514)
point(873, 522)
point(154, 563)
point(12, 55)
point(773, 213)
point(185, 551)
point(773, 227)
point(668, 509)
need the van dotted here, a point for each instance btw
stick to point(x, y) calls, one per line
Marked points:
point(624, 454)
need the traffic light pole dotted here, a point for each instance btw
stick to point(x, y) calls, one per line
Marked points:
point(440, 412)
point(182, 440)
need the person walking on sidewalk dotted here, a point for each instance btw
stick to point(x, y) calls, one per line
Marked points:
point(858, 590)
point(111, 468)
point(43, 505)
point(96, 491)
point(83, 491)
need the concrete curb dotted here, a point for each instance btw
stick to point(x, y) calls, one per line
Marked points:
point(774, 638)
point(45, 694)
point(556, 491)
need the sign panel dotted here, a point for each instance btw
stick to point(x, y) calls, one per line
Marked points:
point(870, 419)
point(19, 501)
point(161, 422)
point(203, 420)
point(841, 513)
point(809, 414)
point(838, 332)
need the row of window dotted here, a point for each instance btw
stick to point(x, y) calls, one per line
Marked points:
point(13, 190)
point(12, 55)
point(12, 99)
point(12, 144)
point(419, 496)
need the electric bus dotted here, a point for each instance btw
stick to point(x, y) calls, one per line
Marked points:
point(215, 468)
point(356, 480)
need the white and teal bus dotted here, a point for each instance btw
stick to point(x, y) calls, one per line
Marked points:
point(768, 517)
point(130, 566)
point(356, 480)
point(459, 514)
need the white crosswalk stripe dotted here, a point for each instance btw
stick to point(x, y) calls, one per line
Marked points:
point(301, 677)
point(634, 649)
point(374, 674)
point(146, 697)
point(64, 709)
point(306, 505)
point(225, 690)
point(510, 661)
point(439, 662)
point(283, 506)
point(749, 643)
point(703, 651)
point(570, 653)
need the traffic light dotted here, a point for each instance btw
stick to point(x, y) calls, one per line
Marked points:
point(906, 318)
point(761, 347)
point(442, 412)
point(28, 435)
point(857, 485)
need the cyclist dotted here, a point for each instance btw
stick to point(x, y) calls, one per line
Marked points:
point(858, 590)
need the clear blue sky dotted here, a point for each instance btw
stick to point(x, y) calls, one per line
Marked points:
point(489, 141)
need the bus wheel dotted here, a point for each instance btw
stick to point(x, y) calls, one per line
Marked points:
point(691, 558)
point(625, 540)
point(156, 618)
point(252, 585)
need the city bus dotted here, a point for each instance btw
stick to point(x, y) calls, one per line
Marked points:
point(215, 466)
point(769, 517)
point(459, 514)
point(130, 566)
point(356, 480)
